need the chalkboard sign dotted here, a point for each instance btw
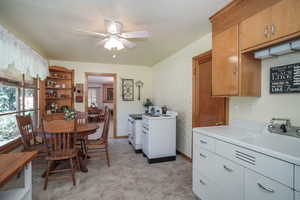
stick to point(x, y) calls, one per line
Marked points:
point(285, 79)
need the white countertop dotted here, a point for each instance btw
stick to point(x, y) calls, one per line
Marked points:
point(257, 139)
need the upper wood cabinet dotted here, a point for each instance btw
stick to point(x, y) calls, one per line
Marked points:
point(285, 18)
point(272, 25)
point(242, 27)
point(235, 73)
point(225, 63)
point(255, 29)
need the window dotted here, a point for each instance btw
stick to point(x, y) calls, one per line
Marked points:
point(16, 99)
point(92, 97)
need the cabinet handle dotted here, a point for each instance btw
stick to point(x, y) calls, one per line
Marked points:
point(266, 31)
point(202, 155)
point(273, 29)
point(203, 142)
point(235, 70)
point(227, 168)
point(265, 188)
point(202, 182)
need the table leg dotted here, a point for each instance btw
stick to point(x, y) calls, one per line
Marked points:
point(82, 162)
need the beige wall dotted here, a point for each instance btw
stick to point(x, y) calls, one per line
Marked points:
point(172, 86)
point(124, 108)
point(262, 109)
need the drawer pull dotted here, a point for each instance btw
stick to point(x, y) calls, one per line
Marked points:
point(203, 156)
point(203, 142)
point(202, 182)
point(227, 168)
point(265, 188)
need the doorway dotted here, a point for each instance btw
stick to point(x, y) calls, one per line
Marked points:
point(207, 110)
point(100, 94)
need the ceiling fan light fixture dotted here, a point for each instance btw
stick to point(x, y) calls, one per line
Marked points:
point(114, 43)
point(114, 27)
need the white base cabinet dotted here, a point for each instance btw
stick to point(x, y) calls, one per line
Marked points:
point(260, 187)
point(297, 195)
point(230, 178)
point(225, 171)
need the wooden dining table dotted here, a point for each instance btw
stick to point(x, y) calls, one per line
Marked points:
point(83, 130)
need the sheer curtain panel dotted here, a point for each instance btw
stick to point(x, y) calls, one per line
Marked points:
point(17, 57)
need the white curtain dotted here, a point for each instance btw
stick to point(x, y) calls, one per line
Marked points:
point(17, 56)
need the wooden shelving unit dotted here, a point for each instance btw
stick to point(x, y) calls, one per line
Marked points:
point(57, 90)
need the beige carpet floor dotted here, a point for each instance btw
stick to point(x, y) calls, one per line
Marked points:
point(130, 177)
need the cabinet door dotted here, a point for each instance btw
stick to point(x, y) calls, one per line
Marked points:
point(285, 18)
point(260, 187)
point(297, 195)
point(255, 30)
point(205, 188)
point(225, 60)
point(297, 178)
point(230, 178)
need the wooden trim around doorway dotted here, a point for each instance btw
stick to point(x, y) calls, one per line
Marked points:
point(87, 74)
point(203, 58)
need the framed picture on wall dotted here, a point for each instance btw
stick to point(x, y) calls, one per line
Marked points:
point(108, 93)
point(128, 89)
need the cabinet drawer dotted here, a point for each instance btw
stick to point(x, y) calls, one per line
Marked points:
point(297, 195)
point(203, 187)
point(261, 188)
point(297, 178)
point(227, 170)
point(206, 163)
point(207, 143)
point(281, 171)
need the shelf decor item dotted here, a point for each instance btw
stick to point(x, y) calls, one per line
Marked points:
point(128, 89)
point(70, 114)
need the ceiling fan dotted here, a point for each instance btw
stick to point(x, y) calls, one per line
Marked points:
point(114, 38)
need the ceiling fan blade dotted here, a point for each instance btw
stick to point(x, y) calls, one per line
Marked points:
point(92, 33)
point(102, 42)
point(136, 34)
point(127, 43)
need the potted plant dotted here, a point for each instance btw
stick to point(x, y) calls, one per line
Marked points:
point(147, 104)
point(70, 114)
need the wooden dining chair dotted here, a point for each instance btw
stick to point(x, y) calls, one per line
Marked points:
point(81, 119)
point(30, 139)
point(102, 143)
point(60, 137)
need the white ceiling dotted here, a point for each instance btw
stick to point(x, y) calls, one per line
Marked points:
point(100, 79)
point(50, 26)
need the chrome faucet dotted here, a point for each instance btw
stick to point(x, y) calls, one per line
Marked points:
point(284, 127)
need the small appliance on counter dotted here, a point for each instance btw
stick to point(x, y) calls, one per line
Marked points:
point(135, 131)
